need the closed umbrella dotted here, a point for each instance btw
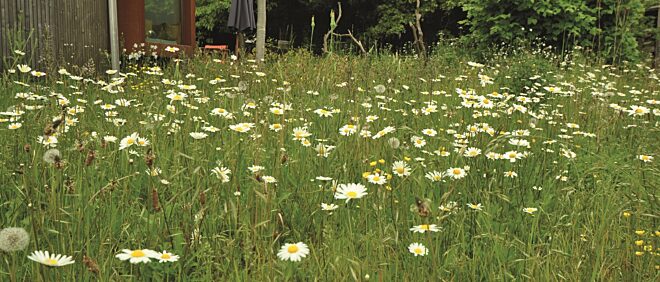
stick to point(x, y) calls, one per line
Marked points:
point(241, 18)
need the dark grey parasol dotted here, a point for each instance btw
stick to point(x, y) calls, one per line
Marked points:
point(241, 15)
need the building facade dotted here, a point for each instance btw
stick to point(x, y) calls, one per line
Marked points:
point(77, 32)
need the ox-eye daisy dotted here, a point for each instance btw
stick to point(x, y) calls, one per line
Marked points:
point(530, 210)
point(456, 173)
point(400, 168)
point(293, 252)
point(434, 176)
point(136, 256)
point(424, 228)
point(129, 141)
point(377, 179)
point(50, 259)
point(418, 249)
point(241, 127)
point(645, 158)
point(476, 207)
point(350, 191)
point(328, 207)
point(164, 256)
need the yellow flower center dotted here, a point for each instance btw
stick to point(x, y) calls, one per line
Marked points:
point(419, 251)
point(456, 171)
point(376, 178)
point(351, 194)
point(137, 254)
point(51, 261)
point(293, 248)
point(639, 111)
point(400, 170)
point(166, 256)
point(130, 141)
point(425, 227)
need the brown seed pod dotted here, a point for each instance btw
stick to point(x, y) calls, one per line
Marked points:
point(149, 158)
point(154, 199)
point(91, 265)
point(80, 146)
point(202, 198)
point(423, 207)
point(91, 155)
point(59, 164)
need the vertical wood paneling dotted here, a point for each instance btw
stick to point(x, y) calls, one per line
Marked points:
point(657, 40)
point(78, 29)
point(3, 19)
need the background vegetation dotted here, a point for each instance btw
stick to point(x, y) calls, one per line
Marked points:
point(612, 28)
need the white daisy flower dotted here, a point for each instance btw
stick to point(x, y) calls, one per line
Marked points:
point(350, 191)
point(165, 256)
point(136, 256)
point(425, 228)
point(418, 249)
point(51, 259)
point(293, 252)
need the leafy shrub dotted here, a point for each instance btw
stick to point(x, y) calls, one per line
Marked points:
point(607, 26)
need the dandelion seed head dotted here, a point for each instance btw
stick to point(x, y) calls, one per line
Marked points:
point(52, 156)
point(394, 142)
point(14, 239)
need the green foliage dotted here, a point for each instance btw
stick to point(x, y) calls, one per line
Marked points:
point(395, 16)
point(621, 23)
point(212, 16)
point(609, 26)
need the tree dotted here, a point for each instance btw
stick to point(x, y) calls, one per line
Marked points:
point(261, 30)
point(212, 17)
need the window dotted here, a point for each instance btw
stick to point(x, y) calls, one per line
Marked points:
point(163, 21)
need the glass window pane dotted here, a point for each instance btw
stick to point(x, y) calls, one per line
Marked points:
point(163, 21)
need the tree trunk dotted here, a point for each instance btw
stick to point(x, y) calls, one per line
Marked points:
point(261, 30)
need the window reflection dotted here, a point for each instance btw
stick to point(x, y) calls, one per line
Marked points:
point(163, 21)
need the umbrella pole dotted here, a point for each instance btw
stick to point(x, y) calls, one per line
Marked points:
point(236, 45)
point(239, 40)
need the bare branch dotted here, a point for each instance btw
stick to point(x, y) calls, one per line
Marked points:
point(332, 32)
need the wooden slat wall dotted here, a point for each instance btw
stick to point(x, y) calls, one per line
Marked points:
point(76, 30)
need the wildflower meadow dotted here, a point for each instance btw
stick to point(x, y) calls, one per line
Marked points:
point(523, 165)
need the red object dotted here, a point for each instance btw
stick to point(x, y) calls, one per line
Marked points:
point(131, 19)
point(216, 47)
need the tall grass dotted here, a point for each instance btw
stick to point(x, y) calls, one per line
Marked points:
point(232, 231)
